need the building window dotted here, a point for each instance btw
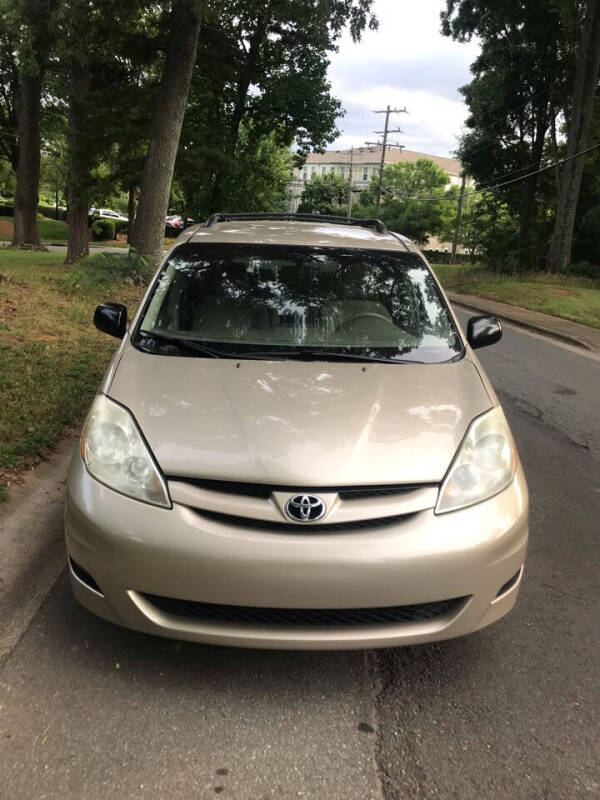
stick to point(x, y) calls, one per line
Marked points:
point(305, 174)
point(343, 170)
point(331, 169)
point(365, 174)
point(313, 171)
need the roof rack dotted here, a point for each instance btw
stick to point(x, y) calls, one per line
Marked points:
point(376, 224)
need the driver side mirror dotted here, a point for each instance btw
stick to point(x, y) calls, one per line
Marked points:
point(483, 331)
point(111, 318)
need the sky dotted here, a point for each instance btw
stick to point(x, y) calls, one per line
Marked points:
point(406, 63)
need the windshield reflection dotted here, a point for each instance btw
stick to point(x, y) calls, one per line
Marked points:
point(248, 299)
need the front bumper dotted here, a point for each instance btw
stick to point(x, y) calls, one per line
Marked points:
point(132, 549)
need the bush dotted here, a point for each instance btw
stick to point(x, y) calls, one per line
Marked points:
point(6, 210)
point(120, 225)
point(586, 246)
point(585, 270)
point(50, 212)
point(103, 229)
point(103, 270)
point(443, 257)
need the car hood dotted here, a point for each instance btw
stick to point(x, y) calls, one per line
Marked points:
point(300, 423)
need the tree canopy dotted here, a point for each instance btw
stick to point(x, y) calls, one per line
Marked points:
point(417, 200)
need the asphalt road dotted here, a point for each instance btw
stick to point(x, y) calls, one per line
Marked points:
point(88, 710)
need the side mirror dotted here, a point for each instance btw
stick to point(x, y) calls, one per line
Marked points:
point(111, 318)
point(483, 331)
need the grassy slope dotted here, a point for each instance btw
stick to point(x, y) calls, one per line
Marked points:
point(573, 298)
point(51, 356)
point(51, 230)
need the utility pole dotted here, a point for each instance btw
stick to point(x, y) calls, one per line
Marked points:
point(350, 183)
point(384, 144)
point(459, 212)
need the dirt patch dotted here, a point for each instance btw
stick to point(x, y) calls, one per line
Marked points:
point(563, 292)
point(6, 228)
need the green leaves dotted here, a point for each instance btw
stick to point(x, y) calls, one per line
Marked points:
point(325, 194)
point(417, 200)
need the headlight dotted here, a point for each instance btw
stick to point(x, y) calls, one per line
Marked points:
point(484, 464)
point(115, 454)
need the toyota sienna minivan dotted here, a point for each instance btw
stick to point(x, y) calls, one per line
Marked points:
point(295, 446)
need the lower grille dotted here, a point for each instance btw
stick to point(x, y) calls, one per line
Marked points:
point(303, 617)
point(291, 527)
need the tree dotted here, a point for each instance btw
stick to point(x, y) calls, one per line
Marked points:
point(34, 24)
point(104, 49)
point(325, 194)
point(519, 90)
point(417, 199)
point(584, 89)
point(266, 66)
point(9, 87)
point(256, 181)
point(171, 97)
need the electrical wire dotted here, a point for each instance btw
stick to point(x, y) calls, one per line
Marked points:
point(502, 184)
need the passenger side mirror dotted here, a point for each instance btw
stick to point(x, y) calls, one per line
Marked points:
point(483, 331)
point(111, 318)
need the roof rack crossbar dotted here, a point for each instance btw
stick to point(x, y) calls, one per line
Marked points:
point(220, 216)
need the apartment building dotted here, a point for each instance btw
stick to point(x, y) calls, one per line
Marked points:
point(366, 161)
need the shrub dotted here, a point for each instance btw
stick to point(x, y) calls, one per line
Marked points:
point(443, 257)
point(103, 229)
point(6, 210)
point(585, 270)
point(586, 246)
point(102, 270)
point(120, 225)
point(50, 211)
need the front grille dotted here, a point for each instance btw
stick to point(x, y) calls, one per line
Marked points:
point(265, 490)
point(303, 617)
point(291, 527)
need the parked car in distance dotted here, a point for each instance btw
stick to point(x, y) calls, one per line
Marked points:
point(107, 213)
point(295, 446)
point(175, 223)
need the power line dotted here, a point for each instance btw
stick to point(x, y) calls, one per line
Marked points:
point(384, 145)
point(511, 181)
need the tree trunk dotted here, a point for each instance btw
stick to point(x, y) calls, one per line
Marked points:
point(79, 165)
point(233, 135)
point(584, 88)
point(171, 99)
point(26, 233)
point(130, 212)
point(528, 255)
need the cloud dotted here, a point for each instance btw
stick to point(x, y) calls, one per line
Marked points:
point(407, 62)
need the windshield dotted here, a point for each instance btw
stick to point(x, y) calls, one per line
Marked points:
point(248, 300)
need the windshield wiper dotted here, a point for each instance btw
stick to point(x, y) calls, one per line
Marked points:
point(267, 355)
point(317, 355)
point(185, 344)
point(327, 356)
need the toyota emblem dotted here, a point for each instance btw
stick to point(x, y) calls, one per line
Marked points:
point(305, 508)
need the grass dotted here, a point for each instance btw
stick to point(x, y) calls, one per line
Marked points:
point(51, 230)
point(569, 297)
point(51, 356)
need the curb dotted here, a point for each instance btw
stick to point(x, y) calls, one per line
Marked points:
point(537, 327)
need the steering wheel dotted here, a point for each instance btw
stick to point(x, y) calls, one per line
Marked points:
point(364, 315)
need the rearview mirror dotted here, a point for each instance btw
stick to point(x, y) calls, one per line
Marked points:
point(111, 318)
point(483, 331)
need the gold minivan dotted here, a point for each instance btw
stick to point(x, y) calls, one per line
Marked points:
point(295, 446)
